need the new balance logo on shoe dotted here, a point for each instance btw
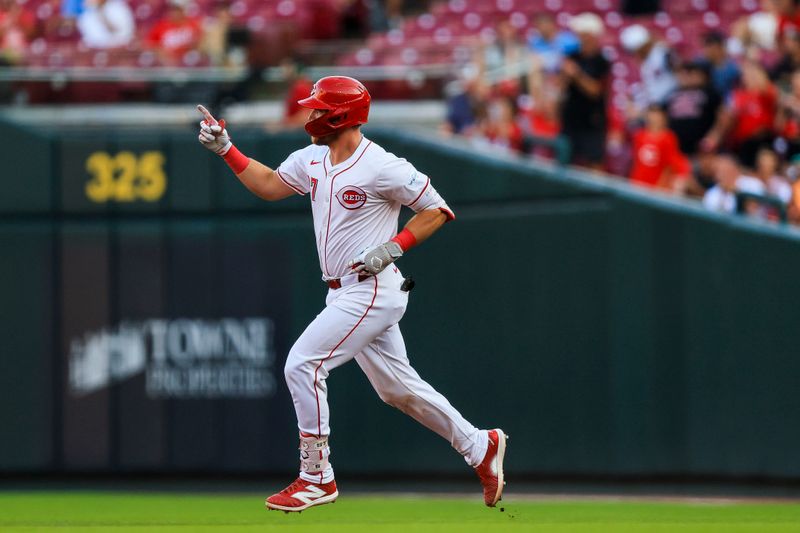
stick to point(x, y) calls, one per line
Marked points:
point(303, 494)
point(311, 493)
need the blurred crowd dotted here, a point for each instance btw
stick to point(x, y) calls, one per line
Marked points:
point(722, 125)
point(175, 29)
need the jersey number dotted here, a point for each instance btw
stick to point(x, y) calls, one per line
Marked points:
point(314, 182)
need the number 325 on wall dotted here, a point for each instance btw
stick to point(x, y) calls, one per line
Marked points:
point(126, 177)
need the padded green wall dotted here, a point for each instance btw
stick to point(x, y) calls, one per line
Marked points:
point(608, 331)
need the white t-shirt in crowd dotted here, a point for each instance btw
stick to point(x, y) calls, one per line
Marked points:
point(658, 79)
point(109, 25)
point(718, 199)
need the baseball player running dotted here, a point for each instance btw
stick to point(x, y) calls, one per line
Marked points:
point(356, 190)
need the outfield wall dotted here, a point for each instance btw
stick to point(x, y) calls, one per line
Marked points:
point(147, 303)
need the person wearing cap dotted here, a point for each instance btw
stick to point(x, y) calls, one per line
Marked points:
point(656, 65)
point(584, 78)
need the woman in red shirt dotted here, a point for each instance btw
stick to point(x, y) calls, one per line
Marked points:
point(175, 34)
point(657, 160)
point(749, 117)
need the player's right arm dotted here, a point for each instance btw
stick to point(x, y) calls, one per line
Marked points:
point(259, 179)
point(264, 182)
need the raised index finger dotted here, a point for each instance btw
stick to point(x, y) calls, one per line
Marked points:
point(209, 117)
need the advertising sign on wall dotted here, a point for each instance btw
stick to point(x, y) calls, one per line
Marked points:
point(180, 358)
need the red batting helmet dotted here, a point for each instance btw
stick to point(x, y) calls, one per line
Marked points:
point(346, 101)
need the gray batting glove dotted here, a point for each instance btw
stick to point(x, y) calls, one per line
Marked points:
point(213, 134)
point(375, 260)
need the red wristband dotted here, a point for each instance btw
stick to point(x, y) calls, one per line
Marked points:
point(405, 239)
point(236, 160)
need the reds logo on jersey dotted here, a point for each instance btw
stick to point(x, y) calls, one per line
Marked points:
point(351, 197)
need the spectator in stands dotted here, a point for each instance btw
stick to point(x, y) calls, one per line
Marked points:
point(657, 64)
point(72, 8)
point(703, 174)
point(354, 19)
point(749, 117)
point(793, 210)
point(294, 115)
point(693, 107)
point(507, 49)
point(619, 154)
point(755, 32)
point(584, 82)
point(216, 31)
point(767, 170)
point(788, 122)
point(790, 59)
point(730, 180)
point(13, 37)
point(499, 128)
point(657, 159)
point(772, 185)
point(724, 70)
point(52, 25)
point(106, 24)
point(464, 109)
point(386, 15)
point(788, 17)
point(551, 44)
point(20, 16)
point(175, 34)
point(542, 106)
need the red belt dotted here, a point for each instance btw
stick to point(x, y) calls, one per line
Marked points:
point(337, 283)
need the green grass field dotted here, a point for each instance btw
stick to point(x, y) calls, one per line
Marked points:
point(123, 512)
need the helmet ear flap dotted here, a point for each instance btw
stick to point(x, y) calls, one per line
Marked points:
point(337, 118)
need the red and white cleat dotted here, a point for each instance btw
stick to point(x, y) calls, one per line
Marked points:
point(490, 471)
point(302, 494)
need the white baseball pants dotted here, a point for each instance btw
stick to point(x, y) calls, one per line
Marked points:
point(361, 321)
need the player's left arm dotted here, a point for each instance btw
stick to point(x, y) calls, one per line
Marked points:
point(401, 182)
point(425, 223)
point(421, 226)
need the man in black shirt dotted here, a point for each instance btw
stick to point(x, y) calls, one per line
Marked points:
point(693, 107)
point(790, 60)
point(584, 76)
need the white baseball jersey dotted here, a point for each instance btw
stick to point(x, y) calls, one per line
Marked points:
point(356, 203)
